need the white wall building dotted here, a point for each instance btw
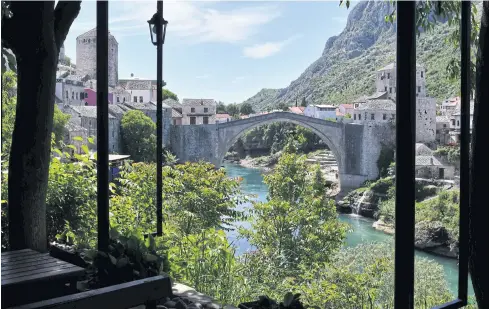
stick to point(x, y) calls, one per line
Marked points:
point(198, 111)
point(140, 90)
point(321, 111)
point(70, 92)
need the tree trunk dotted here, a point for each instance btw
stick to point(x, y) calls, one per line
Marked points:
point(31, 139)
point(479, 206)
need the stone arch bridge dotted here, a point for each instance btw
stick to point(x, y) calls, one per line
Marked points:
point(356, 147)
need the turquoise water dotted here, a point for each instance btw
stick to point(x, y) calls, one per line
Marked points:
point(362, 231)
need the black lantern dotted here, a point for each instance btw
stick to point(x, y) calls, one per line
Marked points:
point(154, 22)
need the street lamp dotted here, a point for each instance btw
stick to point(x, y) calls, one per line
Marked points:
point(157, 25)
point(153, 23)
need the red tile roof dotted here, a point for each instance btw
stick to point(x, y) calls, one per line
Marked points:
point(297, 109)
point(223, 116)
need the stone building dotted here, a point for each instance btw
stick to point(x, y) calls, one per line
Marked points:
point(455, 123)
point(383, 110)
point(428, 166)
point(74, 130)
point(385, 84)
point(442, 130)
point(198, 111)
point(86, 117)
point(385, 81)
point(86, 56)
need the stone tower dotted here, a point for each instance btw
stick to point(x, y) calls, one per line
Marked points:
point(86, 56)
point(62, 53)
point(385, 81)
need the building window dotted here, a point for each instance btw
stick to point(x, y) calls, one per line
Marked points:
point(444, 125)
point(453, 122)
point(390, 89)
point(419, 88)
point(67, 95)
point(359, 116)
point(206, 120)
point(192, 120)
point(372, 116)
point(123, 100)
point(458, 123)
point(72, 95)
point(174, 122)
point(354, 116)
point(192, 110)
point(77, 95)
point(135, 99)
point(421, 73)
point(113, 134)
point(206, 110)
point(384, 116)
point(388, 75)
point(385, 88)
point(118, 100)
point(140, 99)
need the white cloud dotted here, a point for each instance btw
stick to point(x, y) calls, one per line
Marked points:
point(267, 49)
point(195, 21)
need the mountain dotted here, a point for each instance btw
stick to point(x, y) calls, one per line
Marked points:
point(345, 69)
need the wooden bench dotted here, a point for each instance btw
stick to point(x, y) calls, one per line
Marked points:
point(121, 296)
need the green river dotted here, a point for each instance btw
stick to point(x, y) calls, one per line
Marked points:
point(363, 232)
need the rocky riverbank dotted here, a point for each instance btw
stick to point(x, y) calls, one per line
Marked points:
point(430, 235)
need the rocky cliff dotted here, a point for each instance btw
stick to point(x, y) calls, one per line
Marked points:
point(345, 69)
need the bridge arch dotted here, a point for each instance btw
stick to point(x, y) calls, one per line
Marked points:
point(331, 133)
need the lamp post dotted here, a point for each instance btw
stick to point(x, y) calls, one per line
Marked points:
point(157, 25)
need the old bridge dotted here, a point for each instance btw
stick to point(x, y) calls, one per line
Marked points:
point(356, 147)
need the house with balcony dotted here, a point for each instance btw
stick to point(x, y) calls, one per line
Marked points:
point(140, 90)
point(198, 111)
point(382, 110)
point(456, 122)
point(70, 91)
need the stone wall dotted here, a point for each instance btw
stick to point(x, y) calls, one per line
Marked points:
point(195, 143)
point(425, 120)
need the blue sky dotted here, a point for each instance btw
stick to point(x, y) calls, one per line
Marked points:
point(226, 51)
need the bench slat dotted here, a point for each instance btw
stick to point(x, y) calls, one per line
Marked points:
point(7, 271)
point(34, 258)
point(54, 274)
point(120, 296)
point(17, 254)
point(38, 270)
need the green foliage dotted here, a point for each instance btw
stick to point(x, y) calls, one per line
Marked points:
point(348, 116)
point(386, 157)
point(9, 104)
point(60, 120)
point(451, 154)
point(246, 109)
point(232, 109)
point(304, 102)
point(138, 136)
point(221, 108)
point(443, 208)
point(297, 225)
point(167, 94)
point(129, 257)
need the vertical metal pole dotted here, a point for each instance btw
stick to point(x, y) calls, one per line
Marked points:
point(464, 151)
point(159, 119)
point(102, 124)
point(405, 155)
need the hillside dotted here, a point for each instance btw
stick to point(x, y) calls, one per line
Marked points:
point(347, 64)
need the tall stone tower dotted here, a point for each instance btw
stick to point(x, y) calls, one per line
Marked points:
point(86, 56)
point(385, 81)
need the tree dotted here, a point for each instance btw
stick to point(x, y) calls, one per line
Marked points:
point(221, 108)
point(233, 109)
point(138, 136)
point(36, 53)
point(297, 226)
point(303, 102)
point(60, 120)
point(283, 106)
point(246, 109)
point(9, 103)
point(167, 94)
